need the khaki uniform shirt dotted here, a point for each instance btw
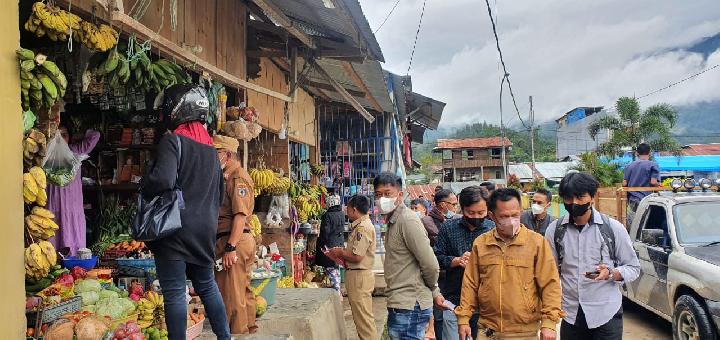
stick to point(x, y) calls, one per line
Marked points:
point(362, 242)
point(239, 198)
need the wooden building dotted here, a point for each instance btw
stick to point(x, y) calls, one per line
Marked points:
point(472, 159)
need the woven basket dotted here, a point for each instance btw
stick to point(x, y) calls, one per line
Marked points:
point(194, 331)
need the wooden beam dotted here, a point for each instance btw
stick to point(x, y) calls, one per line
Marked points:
point(174, 51)
point(266, 53)
point(350, 70)
point(279, 18)
point(268, 27)
point(329, 87)
point(344, 93)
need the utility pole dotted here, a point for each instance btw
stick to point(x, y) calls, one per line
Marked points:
point(532, 132)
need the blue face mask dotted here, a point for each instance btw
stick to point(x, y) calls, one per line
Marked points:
point(449, 214)
point(419, 214)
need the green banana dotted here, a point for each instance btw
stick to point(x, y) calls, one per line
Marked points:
point(159, 73)
point(52, 70)
point(48, 86)
point(25, 54)
point(27, 65)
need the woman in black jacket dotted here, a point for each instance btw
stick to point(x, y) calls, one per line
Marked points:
point(187, 159)
point(332, 227)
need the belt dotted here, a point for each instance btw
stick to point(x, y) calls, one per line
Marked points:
point(227, 233)
point(351, 269)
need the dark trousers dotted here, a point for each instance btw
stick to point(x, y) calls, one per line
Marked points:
point(172, 276)
point(612, 330)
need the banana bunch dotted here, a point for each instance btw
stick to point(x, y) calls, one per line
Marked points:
point(317, 170)
point(101, 38)
point(280, 186)
point(255, 226)
point(34, 146)
point(52, 21)
point(39, 259)
point(307, 207)
point(166, 73)
point(115, 68)
point(34, 184)
point(286, 282)
point(40, 223)
point(262, 178)
point(151, 309)
point(42, 83)
point(140, 73)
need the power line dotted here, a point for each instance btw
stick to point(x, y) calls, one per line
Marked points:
point(412, 54)
point(679, 82)
point(387, 17)
point(506, 74)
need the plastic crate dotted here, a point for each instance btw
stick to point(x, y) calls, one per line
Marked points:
point(138, 263)
point(52, 313)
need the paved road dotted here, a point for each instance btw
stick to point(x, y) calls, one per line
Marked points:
point(639, 324)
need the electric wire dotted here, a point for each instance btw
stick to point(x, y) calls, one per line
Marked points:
point(387, 16)
point(417, 33)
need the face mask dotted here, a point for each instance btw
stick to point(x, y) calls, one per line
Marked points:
point(449, 214)
point(577, 210)
point(513, 222)
point(475, 222)
point(537, 209)
point(419, 214)
point(386, 205)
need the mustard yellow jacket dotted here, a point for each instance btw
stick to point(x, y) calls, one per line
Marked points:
point(514, 285)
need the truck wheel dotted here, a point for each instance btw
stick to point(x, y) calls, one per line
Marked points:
point(690, 321)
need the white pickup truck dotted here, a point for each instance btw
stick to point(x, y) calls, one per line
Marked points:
point(677, 239)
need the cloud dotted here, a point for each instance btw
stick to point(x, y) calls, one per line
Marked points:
point(564, 53)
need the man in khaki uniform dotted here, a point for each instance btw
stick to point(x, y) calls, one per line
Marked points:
point(235, 244)
point(359, 257)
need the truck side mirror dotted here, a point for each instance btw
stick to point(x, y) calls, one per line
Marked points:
point(653, 237)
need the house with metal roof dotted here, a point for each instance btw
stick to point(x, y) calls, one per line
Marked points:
point(473, 159)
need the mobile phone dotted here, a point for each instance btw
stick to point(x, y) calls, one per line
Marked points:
point(592, 275)
point(219, 265)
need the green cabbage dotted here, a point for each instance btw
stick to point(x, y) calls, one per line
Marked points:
point(89, 298)
point(108, 294)
point(88, 285)
point(114, 307)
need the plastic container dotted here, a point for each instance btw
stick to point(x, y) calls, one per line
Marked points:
point(138, 263)
point(266, 287)
point(55, 312)
point(72, 262)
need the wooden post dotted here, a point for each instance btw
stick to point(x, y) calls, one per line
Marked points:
point(245, 154)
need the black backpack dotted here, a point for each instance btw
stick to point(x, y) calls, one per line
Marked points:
point(605, 231)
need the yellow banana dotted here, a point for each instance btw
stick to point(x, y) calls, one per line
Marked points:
point(42, 212)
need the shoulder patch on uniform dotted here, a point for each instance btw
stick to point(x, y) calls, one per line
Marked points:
point(359, 236)
point(242, 191)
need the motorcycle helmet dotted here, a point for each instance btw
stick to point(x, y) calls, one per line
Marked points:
point(184, 103)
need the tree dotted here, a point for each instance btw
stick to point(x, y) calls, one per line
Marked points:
point(631, 127)
point(607, 174)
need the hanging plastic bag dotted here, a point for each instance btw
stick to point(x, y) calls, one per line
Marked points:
point(281, 203)
point(61, 164)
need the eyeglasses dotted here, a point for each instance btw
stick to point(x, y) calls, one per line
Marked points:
point(453, 204)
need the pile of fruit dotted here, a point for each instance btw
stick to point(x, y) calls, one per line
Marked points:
point(40, 224)
point(261, 306)
point(306, 199)
point(34, 147)
point(127, 331)
point(126, 246)
point(139, 72)
point(280, 186)
point(151, 309)
point(51, 21)
point(286, 282)
point(34, 184)
point(40, 258)
point(41, 81)
point(262, 178)
point(194, 319)
point(255, 226)
point(33, 286)
point(154, 333)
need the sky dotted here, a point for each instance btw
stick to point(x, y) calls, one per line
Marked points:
point(564, 53)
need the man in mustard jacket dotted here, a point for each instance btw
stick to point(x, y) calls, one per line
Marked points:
point(515, 284)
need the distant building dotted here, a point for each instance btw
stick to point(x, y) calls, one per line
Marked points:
point(573, 137)
point(472, 159)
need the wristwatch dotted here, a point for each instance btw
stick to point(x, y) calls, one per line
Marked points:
point(229, 248)
point(611, 277)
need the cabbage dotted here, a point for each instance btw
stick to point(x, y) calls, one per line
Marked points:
point(89, 298)
point(89, 309)
point(114, 307)
point(108, 294)
point(127, 304)
point(88, 286)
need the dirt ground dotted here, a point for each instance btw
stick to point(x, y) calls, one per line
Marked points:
point(639, 324)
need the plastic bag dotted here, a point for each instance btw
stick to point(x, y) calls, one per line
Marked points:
point(282, 203)
point(61, 164)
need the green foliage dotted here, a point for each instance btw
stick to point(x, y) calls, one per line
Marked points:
point(514, 182)
point(538, 183)
point(633, 126)
point(606, 173)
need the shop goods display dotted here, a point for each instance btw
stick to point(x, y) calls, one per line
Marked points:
point(241, 129)
point(307, 201)
point(34, 148)
point(262, 178)
point(279, 186)
point(41, 81)
point(317, 170)
point(34, 184)
point(40, 224)
point(127, 331)
point(39, 259)
point(154, 333)
point(255, 226)
point(151, 309)
point(286, 282)
point(138, 71)
point(194, 319)
point(32, 286)
point(52, 22)
point(100, 38)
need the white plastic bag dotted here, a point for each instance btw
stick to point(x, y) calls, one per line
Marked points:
point(283, 204)
point(60, 163)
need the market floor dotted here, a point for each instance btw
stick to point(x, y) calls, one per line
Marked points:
point(639, 324)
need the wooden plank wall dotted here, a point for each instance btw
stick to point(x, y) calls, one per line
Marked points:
point(271, 110)
point(273, 150)
point(218, 26)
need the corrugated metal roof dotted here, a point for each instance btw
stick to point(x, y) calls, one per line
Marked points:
point(370, 73)
point(701, 149)
point(315, 18)
point(472, 143)
point(553, 170)
point(429, 111)
point(426, 190)
point(523, 171)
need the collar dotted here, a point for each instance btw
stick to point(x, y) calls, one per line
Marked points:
point(393, 217)
point(359, 221)
point(595, 218)
point(436, 214)
point(519, 239)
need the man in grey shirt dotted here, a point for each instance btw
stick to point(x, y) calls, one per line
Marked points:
point(537, 218)
point(595, 257)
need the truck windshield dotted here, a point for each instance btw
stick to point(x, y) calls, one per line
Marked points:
point(696, 223)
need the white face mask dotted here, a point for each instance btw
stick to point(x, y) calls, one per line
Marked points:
point(386, 205)
point(537, 209)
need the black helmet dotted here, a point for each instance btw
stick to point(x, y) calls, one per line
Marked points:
point(184, 103)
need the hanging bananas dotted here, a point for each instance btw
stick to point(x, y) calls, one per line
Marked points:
point(41, 83)
point(52, 21)
point(263, 179)
point(39, 259)
point(255, 226)
point(40, 224)
point(140, 72)
point(101, 38)
point(34, 146)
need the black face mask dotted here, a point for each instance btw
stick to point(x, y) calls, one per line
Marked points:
point(475, 222)
point(577, 210)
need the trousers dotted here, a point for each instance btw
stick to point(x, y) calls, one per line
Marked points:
point(360, 285)
point(234, 286)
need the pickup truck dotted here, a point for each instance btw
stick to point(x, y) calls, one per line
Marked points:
point(677, 239)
